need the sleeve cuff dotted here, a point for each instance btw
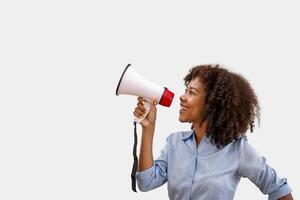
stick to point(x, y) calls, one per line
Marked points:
point(281, 192)
point(145, 174)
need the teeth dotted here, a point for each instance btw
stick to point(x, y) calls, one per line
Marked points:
point(183, 107)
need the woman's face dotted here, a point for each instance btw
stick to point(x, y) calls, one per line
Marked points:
point(192, 102)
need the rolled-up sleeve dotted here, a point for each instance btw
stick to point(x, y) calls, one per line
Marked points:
point(253, 166)
point(156, 175)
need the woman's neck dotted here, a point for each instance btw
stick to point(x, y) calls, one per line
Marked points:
point(199, 131)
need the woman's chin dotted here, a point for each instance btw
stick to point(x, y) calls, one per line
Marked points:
point(182, 119)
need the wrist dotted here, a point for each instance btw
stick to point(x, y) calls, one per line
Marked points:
point(148, 130)
point(149, 127)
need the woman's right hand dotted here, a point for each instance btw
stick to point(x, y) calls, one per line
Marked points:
point(140, 111)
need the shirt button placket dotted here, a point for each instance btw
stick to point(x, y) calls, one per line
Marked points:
point(193, 175)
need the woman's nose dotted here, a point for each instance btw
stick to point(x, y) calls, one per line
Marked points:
point(182, 98)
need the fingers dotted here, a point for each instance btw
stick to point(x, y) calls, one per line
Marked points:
point(140, 99)
point(153, 100)
point(141, 106)
point(140, 110)
point(139, 113)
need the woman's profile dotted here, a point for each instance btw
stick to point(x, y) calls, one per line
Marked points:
point(208, 161)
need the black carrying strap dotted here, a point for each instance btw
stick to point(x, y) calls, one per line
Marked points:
point(135, 162)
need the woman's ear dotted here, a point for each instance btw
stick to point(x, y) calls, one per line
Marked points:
point(201, 124)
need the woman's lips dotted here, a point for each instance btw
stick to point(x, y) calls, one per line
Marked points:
point(183, 108)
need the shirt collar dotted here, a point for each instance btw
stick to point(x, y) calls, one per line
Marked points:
point(187, 134)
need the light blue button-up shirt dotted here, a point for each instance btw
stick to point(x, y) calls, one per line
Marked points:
point(208, 173)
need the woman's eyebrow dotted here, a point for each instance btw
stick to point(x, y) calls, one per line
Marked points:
point(193, 88)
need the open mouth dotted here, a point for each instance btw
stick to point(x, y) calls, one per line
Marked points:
point(183, 108)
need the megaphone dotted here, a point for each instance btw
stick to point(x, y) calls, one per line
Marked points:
point(132, 83)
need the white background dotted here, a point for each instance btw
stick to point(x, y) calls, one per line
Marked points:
point(63, 132)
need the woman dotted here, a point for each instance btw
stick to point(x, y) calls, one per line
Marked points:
point(208, 161)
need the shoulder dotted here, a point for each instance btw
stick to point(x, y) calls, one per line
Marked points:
point(242, 144)
point(246, 151)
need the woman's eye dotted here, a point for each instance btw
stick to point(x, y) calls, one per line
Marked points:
point(189, 92)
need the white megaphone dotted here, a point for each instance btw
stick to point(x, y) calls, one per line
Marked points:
point(134, 84)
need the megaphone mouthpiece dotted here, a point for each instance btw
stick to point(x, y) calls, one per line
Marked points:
point(166, 98)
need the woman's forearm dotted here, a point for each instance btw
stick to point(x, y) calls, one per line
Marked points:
point(146, 155)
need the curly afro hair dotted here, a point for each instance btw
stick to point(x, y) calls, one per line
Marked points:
point(231, 104)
